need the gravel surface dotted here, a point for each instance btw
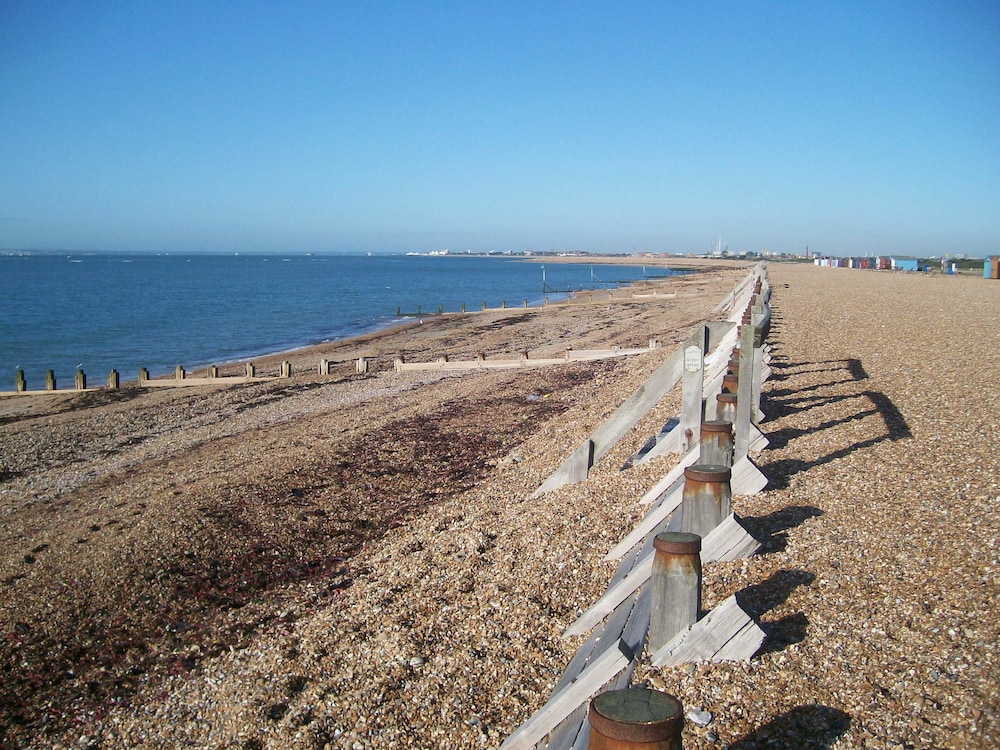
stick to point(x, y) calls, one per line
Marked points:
point(355, 561)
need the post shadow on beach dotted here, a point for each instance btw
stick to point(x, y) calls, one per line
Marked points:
point(874, 403)
point(812, 726)
point(771, 530)
point(760, 598)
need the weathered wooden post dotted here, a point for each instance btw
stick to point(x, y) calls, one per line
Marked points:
point(741, 422)
point(463, 307)
point(114, 380)
point(716, 443)
point(692, 385)
point(20, 384)
point(707, 497)
point(179, 373)
point(726, 406)
point(525, 304)
point(50, 380)
point(213, 372)
point(362, 365)
point(675, 593)
point(286, 369)
point(80, 381)
point(484, 305)
point(324, 367)
point(635, 719)
point(503, 304)
point(440, 309)
point(251, 371)
point(480, 357)
point(143, 375)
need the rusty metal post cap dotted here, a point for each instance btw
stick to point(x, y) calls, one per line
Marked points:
point(730, 397)
point(636, 715)
point(708, 473)
point(677, 543)
point(717, 425)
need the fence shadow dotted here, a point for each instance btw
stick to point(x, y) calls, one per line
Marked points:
point(896, 428)
point(770, 530)
point(812, 726)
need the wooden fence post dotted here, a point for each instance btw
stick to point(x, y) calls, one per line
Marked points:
point(635, 718)
point(20, 384)
point(50, 380)
point(726, 406)
point(692, 385)
point(707, 497)
point(80, 381)
point(675, 587)
point(716, 443)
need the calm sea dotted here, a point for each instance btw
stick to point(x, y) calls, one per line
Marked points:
point(124, 312)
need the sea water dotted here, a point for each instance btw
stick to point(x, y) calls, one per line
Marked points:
point(98, 312)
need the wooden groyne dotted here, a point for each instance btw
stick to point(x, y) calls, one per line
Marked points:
point(653, 605)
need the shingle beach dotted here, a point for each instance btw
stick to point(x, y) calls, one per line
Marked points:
point(357, 561)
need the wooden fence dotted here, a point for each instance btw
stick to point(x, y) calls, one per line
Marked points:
point(620, 622)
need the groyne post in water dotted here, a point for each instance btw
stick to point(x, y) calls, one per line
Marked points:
point(20, 384)
point(80, 380)
point(114, 380)
point(50, 380)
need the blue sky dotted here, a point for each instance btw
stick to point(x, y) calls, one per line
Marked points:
point(848, 127)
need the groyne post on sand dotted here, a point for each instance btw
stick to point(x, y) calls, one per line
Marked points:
point(634, 718)
point(675, 584)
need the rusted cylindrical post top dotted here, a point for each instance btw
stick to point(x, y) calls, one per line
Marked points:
point(717, 443)
point(675, 587)
point(726, 407)
point(707, 497)
point(635, 719)
point(730, 383)
point(733, 366)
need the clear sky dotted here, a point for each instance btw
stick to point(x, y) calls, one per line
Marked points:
point(848, 127)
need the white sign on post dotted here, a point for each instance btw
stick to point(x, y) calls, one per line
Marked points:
point(692, 359)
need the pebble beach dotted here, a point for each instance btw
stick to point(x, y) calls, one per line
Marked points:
point(356, 560)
